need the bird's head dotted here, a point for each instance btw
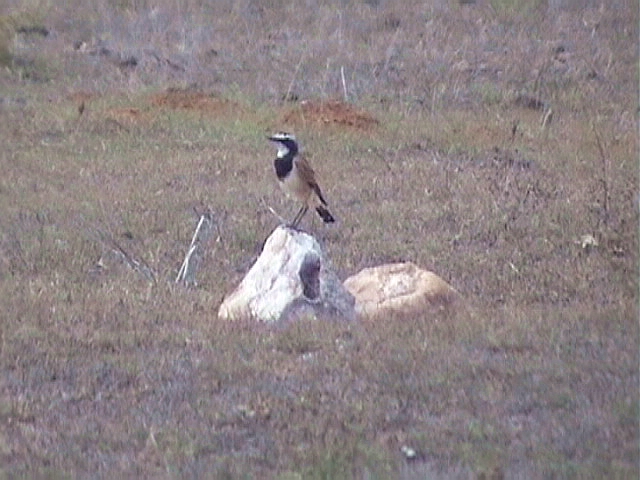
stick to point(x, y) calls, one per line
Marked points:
point(286, 143)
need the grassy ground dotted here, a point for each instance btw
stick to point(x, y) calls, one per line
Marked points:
point(504, 158)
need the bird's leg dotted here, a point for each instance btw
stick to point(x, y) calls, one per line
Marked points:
point(292, 224)
point(299, 215)
point(295, 219)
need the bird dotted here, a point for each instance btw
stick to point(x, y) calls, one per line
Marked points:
point(298, 179)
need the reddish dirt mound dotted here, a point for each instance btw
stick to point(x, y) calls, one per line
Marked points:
point(81, 96)
point(330, 113)
point(125, 112)
point(191, 100)
point(128, 115)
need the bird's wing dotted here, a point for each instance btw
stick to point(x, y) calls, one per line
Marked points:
point(308, 175)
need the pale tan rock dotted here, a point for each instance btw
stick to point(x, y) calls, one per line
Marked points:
point(397, 289)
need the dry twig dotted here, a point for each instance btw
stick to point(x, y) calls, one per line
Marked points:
point(139, 266)
point(187, 272)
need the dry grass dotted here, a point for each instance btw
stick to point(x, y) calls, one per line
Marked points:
point(106, 373)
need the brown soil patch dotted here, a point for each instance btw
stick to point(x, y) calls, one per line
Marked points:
point(127, 115)
point(81, 96)
point(332, 112)
point(192, 100)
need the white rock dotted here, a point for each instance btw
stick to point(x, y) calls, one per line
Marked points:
point(409, 453)
point(291, 278)
point(397, 289)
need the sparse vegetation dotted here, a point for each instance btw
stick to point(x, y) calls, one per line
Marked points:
point(494, 143)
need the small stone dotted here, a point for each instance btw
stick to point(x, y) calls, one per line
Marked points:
point(409, 453)
point(397, 289)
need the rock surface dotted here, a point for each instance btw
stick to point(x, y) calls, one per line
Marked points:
point(397, 289)
point(291, 278)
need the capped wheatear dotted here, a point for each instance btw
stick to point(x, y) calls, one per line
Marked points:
point(297, 178)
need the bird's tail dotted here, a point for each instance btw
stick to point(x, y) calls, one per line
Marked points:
point(325, 214)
